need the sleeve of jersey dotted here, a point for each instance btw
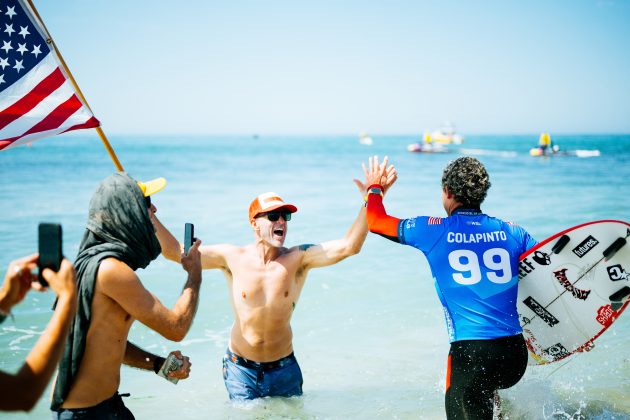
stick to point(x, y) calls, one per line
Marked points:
point(379, 221)
point(529, 241)
point(422, 232)
point(524, 238)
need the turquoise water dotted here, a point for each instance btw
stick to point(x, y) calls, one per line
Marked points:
point(369, 331)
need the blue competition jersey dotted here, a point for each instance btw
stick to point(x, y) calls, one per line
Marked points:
point(474, 261)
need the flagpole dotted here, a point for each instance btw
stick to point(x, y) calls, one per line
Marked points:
point(99, 130)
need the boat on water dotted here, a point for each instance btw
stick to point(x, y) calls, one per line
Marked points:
point(546, 148)
point(447, 134)
point(427, 146)
point(365, 139)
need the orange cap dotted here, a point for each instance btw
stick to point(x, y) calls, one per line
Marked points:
point(268, 201)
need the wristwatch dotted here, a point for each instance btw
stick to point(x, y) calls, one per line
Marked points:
point(376, 190)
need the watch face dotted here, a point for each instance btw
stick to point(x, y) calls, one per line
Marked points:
point(375, 190)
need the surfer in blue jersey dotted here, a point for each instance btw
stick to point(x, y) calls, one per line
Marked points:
point(474, 261)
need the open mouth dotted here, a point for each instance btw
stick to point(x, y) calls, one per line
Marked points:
point(278, 232)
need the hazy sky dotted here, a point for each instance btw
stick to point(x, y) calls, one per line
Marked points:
point(339, 67)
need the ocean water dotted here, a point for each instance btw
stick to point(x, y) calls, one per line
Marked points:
point(369, 331)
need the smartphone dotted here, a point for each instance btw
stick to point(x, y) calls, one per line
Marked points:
point(50, 252)
point(189, 236)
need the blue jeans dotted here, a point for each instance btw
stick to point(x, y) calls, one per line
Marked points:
point(112, 408)
point(246, 380)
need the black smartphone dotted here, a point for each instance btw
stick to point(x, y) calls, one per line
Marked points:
point(50, 252)
point(189, 236)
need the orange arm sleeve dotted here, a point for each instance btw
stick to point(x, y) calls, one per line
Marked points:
point(379, 221)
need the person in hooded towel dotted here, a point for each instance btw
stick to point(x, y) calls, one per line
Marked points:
point(118, 240)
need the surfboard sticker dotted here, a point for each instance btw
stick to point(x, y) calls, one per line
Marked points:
point(572, 287)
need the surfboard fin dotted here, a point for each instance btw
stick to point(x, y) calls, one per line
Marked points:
point(560, 244)
point(614, 247)
point(617, 298)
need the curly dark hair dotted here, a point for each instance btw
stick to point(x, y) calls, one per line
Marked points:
point(467, 179)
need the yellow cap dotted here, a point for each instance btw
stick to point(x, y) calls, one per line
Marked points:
point(151, 187)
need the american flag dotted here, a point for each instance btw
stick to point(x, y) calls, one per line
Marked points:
point(37, 98)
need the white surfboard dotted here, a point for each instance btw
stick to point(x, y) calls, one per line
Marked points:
point(572, 287)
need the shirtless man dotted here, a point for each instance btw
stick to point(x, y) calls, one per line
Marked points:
point(265, 280)
point(119, 239)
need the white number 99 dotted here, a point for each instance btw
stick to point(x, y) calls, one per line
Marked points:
point(497, 260)
point(470, 265)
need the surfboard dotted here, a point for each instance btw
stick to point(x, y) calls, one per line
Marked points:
point(572, 287)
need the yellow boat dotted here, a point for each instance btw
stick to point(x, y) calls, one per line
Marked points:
point(447, 134)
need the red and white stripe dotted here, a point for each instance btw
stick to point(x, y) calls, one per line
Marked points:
point(42, 103)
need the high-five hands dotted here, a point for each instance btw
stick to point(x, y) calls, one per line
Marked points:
point(377, 173)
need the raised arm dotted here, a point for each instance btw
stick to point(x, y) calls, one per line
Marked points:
point(332, 252)
point(171, 248)
point(120, 283)
point(212, 256)
point(377, 218)
point(22, 390)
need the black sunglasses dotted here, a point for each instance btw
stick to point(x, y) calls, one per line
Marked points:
point(147, 200)
point(274, 216)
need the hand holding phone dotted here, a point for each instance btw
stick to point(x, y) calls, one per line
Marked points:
point(50, 249)
point(189, 237)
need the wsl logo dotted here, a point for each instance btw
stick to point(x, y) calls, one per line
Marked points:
point(587, 244)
